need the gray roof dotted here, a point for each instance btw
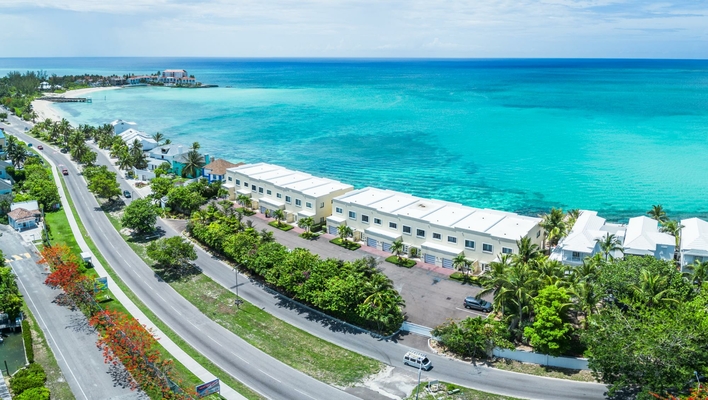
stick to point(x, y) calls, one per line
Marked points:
point(5, 185)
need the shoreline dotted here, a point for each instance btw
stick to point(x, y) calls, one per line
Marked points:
point(45, 109)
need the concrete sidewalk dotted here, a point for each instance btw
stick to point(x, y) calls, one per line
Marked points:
point(175, 351)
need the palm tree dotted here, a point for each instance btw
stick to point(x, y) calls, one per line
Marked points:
point(125, 162)
point(697, 273)
point(196, 146)
point(657, 212)
point(158, 137)
point(396, 249)
point(279, 215)
point(651, 288)
point(528, 251)
point(493, 280)
point(193, 161)
point(554, 225)
point(64, 128)
point(79, 151)
point(344, 232)
point(460, 263)
point(572, 216)
point(245, 201)
point(673, 228)
point(608, 244)
point(306, 223)
point(586, 299)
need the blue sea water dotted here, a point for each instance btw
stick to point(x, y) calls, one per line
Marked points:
point(520, 135)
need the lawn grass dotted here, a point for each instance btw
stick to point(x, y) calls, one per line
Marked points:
point(464, 278)
point(405, 262)
point(461, 393)
point(346, 244)
point(316, 357)
point(60, 231)
point(308, 235)
point(43, 355)
point(540, 370)
point(283, 227)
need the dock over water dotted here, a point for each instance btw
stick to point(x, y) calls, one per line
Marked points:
point(57, 99)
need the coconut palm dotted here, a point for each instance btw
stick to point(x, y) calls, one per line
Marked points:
point(697, 273)
point(461, 263)
point(396, 249)
point(245, 201)
point(651, 289)
point(79, 151)
point(551, 272)
point(124, 162)
point(658, 213)
point(306, 223)
point(609, 244)
point(279, 215)
point(586, 298)
point(571, 216)
point(554, 225)
point(193, 161)
point(673, 228)
point(528, 251)
point(344, 232)
point(196, 146)
point(158, 137)
point(64, 128)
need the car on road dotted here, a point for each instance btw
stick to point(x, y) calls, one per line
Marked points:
point(64, 150)
point(474, 303)
point(126, 194)
point(418, 360)
point(40, 147)
point(63, 169)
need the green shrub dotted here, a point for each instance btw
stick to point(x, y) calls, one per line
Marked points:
point(405, 262)
point(347, 244)
point(39, 393)
point(31, 377)
point(283, 227)
point(316, 228)
point(27, 339)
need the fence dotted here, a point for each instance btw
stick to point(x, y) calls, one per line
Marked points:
point(542, 359)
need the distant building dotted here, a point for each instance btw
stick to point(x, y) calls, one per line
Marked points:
point(120, 126)
point(21, 219)
point(27, 205)
point(5, 187)
point(643, 238)
point(694, 241)
point(216, 170)
point(45, 86)
point(179, 162)
point(3, 170)
point(131, 135)
point(168, 152)
point(581, 242)
point(2, 143)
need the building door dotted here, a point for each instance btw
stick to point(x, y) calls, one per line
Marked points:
point(263, 210)
point(447, 263)
point(371, 242)
point(430, 259)
point(386, 246)
point(332, 230)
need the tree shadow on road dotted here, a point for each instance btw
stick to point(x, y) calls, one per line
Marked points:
point(176, 274)
point(78, 323)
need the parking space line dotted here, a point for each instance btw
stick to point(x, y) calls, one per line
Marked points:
point(481, 314)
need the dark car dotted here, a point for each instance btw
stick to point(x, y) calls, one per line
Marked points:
point(478, 304)
point(40, 147)
point(64, 150)
point(126, 194)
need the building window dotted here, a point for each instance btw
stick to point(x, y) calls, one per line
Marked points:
point(268, 192)
point(238, 181)
point(322, 205)
point(365, 219)
point(352, 215)
point(469, 244)
point(245, 184)
point(393, 225)
point(338, 210)
point(260, 190)
point(437, 236)
point(298, 202)
point(576, 255)
point(278, 195)
point(253, 188)
point(451, 239)
point(506, 250)
point(407, 230)
point(420, 233)
point(377, 221)
point(487, 248)
point(538, 234)
point(287, 199)
point(308, 204)
point(230, 179)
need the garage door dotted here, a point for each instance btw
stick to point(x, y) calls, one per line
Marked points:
point(332, 230)
point(263, 210)
point(386, 246)
point(371, 242)
point(430, 259)
point(447, 263)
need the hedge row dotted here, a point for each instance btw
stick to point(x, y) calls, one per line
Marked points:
point(27, 339)
point(26, 379)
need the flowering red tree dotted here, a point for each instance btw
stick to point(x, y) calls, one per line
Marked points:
point(56, 255)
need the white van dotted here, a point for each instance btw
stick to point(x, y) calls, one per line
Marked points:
point(418, 360)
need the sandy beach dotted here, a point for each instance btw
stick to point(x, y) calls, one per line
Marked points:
point(45, 109)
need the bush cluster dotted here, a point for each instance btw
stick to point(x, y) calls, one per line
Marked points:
point(27, 337)
point(28, 378)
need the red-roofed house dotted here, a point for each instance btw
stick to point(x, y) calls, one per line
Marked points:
point(21, 219)
point(216, 170)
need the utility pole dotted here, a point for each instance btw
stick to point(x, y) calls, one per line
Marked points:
point(238, 300)
point(417, 388)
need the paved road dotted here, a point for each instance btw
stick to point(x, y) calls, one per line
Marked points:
point(256, 369)
point(71, 339)
point(390, 352)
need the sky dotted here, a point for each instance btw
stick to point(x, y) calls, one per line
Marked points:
point(355, 28)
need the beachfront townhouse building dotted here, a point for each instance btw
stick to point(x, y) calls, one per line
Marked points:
point(131, 135)
point(435, 230)
point(216, 170)
point(694, 241)
point(643, 238)
point(168, 152)
point(272, 187)
point(582, 240)
point(120, 126)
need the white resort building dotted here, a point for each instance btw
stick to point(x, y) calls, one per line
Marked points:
point(694, 241)
point(131, 135)
point(272, 187)
point(644, 239)
point(435, 230)
point(581, 242)
point(120, 126)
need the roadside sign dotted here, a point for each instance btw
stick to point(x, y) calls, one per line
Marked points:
point(100, 284)
point(208, 388)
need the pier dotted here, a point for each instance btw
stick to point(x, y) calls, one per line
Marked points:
point(56, 99)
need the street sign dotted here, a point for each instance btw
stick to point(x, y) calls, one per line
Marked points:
point(208, 388)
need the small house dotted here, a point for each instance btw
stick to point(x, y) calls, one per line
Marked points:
point(21, 219)
point(216, 170)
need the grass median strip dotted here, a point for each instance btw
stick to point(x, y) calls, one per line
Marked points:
point(316, 357)
point(445, 390)
point(186, 377)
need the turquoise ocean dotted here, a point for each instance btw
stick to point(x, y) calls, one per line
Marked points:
point(614, 136)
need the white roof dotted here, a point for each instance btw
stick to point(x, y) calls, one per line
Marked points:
point(120, 121)
point(250, 169)
point(449, 215)
point(366, 196)
point(441, 248)
point(131, 134)
point(30, 205)
point(170, 149)
point(288, 179)
point(383, 234)
point(694, 235)
point(420, 208)
point(587, 228)
point(643, 236)
point(272, 202)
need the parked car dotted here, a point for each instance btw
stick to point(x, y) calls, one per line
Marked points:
point(40, 147)
point(477, 304)
point(126, 194)
point(64, 150)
